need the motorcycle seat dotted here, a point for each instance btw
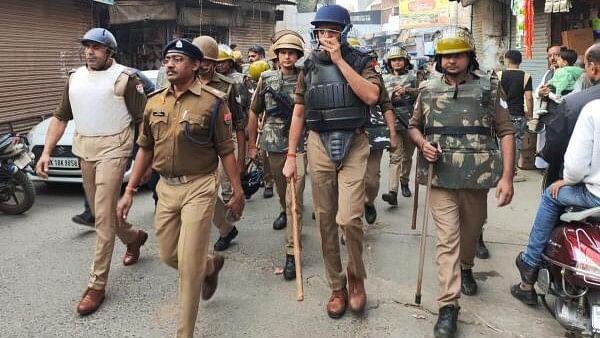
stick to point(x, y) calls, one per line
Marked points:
point(592, 214)
point(5, 142)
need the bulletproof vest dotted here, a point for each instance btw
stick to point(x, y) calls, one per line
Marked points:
point(282, 86)
point(405, 106)
point(238, 79)
point(461, 120)
point(330, 103)
point(377, 129)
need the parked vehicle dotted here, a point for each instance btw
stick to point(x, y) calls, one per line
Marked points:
point(570, 272)
point(16, 190)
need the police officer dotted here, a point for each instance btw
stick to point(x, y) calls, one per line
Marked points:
point(105, 100)
point(274, 97)
point(456, 122)
point(337, 148)
point(401, 84)
point(208, 76)
point(186, 128)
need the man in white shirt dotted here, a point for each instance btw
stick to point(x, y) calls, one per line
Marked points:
point(579, 187)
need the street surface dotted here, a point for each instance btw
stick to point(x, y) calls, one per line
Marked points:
point(46, 260)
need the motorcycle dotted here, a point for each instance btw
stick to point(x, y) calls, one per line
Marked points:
point(570, 272)
point(16, 190)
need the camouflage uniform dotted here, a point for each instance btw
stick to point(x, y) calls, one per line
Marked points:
point(274, 140)
point(466, 121)
point(401, 158)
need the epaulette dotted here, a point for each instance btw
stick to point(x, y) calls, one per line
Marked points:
point(160, 90)
point(225, 78)
point(219, 94)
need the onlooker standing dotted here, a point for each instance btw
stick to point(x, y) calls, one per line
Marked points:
point(517, 86)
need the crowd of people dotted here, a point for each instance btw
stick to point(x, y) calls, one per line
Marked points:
point(214, 126)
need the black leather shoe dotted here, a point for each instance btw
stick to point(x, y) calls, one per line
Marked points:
point(468, 286)
point(482, 251)
point(528, 275)
point(280, 222)
point(268, 192)
point(85, 218)
point(223, 242)
point(405, 190)
point(446, 323)
point(370, 213)
point(528, 297)
point(289, 271)
point(391, 198)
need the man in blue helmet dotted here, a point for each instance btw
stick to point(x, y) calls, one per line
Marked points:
point(333, 94)
point(106, 101)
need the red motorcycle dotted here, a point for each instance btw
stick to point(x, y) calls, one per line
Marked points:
point(571, 272)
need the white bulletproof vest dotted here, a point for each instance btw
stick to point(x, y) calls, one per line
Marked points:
point(97, 110)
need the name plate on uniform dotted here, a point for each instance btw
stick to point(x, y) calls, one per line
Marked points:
point(64, 162)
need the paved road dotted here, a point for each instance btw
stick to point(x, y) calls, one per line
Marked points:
point(45, 259)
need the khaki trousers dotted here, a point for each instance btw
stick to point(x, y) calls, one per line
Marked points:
point(373, 175)
point(263, 161)
point(219, 220)
point(277, 161)
point(183, 222)
point(338, 198)
point(401, 161)
point(459, 216)
point(102, 182)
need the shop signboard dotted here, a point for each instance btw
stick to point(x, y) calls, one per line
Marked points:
point(423, 13)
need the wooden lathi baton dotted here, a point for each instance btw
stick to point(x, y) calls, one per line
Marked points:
point(296, 237)
point(424, 234)
point(413, 224)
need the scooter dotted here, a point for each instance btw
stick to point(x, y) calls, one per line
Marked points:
point(16, 190)
point(570, 272)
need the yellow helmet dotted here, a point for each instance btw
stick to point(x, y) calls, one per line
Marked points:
point(290, 41)
point(224, 53)
point(354, 42)
point(208, 46)
point(236, 55)
point(452, 40)
point(396, 52)
point(256, 68)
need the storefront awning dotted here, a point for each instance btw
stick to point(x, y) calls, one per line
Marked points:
point(127, 11)
point(196, 17)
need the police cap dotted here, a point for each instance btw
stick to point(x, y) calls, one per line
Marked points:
point(185, 47)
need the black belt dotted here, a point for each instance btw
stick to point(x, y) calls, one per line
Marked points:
point(459, 131)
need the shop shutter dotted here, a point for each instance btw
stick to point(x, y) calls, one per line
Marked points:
point(38, 46)
point(538, 64)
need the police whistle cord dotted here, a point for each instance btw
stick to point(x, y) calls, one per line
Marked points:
point(296, 238)
point(424, 231)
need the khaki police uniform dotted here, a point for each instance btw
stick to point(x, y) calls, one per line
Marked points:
point(274, 141)
point(458, 202)
point(104, 160)
point(339, 194)
point(186, 155)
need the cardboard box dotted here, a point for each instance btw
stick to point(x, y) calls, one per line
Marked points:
point(578, 39)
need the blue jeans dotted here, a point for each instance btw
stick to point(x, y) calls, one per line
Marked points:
point(548, 215)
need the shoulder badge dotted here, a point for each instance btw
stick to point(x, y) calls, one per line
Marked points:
point(215, 92)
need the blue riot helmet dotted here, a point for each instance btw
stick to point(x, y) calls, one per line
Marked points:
point(102, 36)
point(334, 14)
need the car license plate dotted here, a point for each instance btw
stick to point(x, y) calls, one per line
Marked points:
point(596, 318)
point(64, 162)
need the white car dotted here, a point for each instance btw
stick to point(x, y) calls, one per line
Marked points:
point(64, 166)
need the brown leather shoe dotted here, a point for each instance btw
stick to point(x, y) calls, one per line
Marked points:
point(211, 281)
point(357, 296)
point(133, 250)
point(336, 307)
point(90, 301)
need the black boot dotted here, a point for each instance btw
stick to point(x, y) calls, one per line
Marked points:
point(391, 198)
point(370, 213)
point(528, 297)
point(268, 192)
point(446, 323)
point(85, 218)
point(405, 190)
point(528, 274)
point(223, 242)
point(468, 286)
point(280, 222)
point(289, 271)
point(482, 251)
